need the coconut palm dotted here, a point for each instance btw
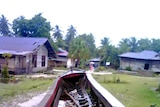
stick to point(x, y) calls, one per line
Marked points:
point(4, 26)
point(57, 33)
point(71, 33)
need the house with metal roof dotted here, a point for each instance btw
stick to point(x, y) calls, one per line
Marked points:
point(62, 58)
point(28, 54)
point(145, 60)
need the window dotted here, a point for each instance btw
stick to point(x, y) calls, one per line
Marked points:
point(43, 61)
point(34, 60)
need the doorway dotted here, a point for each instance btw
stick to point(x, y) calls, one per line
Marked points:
point(146, 67)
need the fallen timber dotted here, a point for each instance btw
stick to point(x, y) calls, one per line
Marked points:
point(77, 88)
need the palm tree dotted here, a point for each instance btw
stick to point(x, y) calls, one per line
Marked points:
point(71, 33)
point(4, 26)
point(105, 41)
point(78, 51)
point(124, 46)
point(133, 44)
point(57, 33)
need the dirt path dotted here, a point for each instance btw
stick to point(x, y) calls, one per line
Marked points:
point(33, 102)
point(18, 100)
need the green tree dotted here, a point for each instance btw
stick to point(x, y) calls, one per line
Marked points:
point(108, 53)
point(133, 44)
point(90, 43)
point(71, 34)
point(4, 26)
point(155, 44)
point(57, 33)
point(124, 45)
point(144, 44)
point(20, 26)
point(102, 51)
point(105, 41)
point(78, 51)
point(5, 73)
point(58, 37)
point(39, 26)
point(61, 43)
point(35, 27)
point(128, 45)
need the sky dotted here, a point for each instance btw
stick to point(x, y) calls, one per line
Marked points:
point(115, 19)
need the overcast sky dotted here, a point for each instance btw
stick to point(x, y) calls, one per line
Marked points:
point(115, 19)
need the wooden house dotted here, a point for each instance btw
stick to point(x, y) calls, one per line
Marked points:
point(62, 58)
point(145, 60)
point(28, 54)
point(95, 61)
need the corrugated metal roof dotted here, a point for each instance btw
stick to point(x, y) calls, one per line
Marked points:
point(14, 52)
point(147, 55)
point(20, 45)
point(95, 60)
point(62, 52)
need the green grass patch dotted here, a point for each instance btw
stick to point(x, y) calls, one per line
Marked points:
point(24, 86)
point(132, 91)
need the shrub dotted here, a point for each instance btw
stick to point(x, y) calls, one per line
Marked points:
point(128, 68)
point(101, 68)
point(5, 73)
point(158, 89)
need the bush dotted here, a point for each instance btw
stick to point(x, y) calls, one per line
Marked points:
point(128, 68)
point(158, 89)
point(5, 73)
point(4, 80)
point(101, 68)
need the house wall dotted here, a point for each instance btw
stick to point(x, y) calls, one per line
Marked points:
point(11, 63)
point(155, 66)
point(133, 63)
point(137, 64)
point(42, 51)
point(28, 62)
point(24, 64)
point(19, 64)
point(15, 64)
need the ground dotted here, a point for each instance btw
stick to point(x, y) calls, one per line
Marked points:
point(28, 99)
point(18, 100)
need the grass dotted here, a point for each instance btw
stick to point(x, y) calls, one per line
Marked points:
point(132, 91)
point(24, 86)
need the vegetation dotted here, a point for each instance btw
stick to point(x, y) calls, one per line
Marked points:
point(71, 34)
point(4, 26)
point(35, 27)
point(25, 85)
point(158, 89)
point(78, 51)
point(128, 68)
point(100, 68)
point(5, 73)
point(38, 26)
point(132, 91)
